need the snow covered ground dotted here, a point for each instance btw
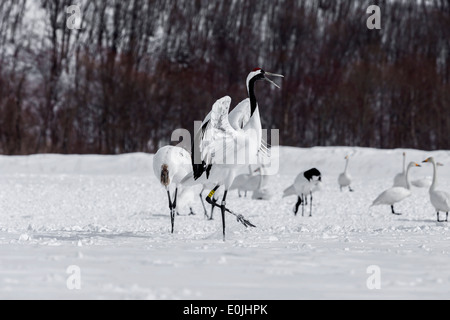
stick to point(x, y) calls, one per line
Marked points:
point(109, 216)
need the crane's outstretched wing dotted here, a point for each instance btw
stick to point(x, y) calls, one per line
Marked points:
point(220, 140)
point(240, 115)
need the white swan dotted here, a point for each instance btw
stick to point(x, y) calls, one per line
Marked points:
point(396, 194)
point(345, 179)
point(244, 182)
point(439, 199)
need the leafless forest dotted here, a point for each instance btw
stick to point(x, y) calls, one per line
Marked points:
point(138, 69)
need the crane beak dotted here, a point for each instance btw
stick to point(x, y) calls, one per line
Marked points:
point(273, 75)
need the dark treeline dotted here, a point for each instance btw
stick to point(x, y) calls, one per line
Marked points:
point(139, 69)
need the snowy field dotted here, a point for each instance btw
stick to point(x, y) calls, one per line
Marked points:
point(109, 216)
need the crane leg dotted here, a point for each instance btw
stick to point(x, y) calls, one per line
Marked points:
point(438, 218)
point(446, 220)
point(310, 209)
point(191, 212)
point(214, 200)
point(341, 188)
point(223, 208)
point(172, 210)
point(239, 193)
point(299, 202)
point(175, 203)
point(203, 203)
point(350, 189)
point(240, 218)
point(303, 206)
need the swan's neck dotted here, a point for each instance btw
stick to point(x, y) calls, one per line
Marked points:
point(346, 166)
point(434, 185)
point(408, 183)
point(404, 164)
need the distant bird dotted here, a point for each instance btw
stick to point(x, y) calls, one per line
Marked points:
point(244, 182)
point(171, 165)
point(396, 194)
point(439, 199)
point(400, 179)
point(219, 143)
point(422, 183)
point(262, 192)
point(305, 184)
point(345, 179)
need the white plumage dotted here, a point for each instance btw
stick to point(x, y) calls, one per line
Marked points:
point(246, 182)
point(178, 163)
point(439, 199)
point(396, 194)
point(422, 183)
point(170, 166)
point(392, 196)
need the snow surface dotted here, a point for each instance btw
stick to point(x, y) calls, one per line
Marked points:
point(109, 216)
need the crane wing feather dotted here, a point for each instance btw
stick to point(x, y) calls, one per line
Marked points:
point(219, 136)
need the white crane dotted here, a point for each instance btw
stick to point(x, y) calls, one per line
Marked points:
point(171, 165)
point(400, 179)
point(439, 199)
point(345, 179)
point(225, 148)
point(396, 194)
point(306, 183)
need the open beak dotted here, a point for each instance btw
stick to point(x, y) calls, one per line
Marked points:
point(272, 75)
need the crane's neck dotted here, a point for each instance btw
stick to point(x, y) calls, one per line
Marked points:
point(251, 94)
point(408, 183)
point(434, 185)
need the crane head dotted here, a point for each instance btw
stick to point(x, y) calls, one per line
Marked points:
point(259, 74)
